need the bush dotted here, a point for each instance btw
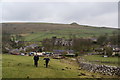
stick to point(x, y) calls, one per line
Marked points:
point(108, 51)
point(117, 55)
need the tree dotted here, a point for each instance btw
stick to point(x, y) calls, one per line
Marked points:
point(81, 45)
point(47, 44)
point(108, 50)
point(6, 42)
point(10, 41)
point(102, 39)
point(18, 41)
point(115, 38)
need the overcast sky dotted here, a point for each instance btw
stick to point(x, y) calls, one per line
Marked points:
point(84, 13)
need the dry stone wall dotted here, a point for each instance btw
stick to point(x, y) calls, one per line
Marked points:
point(103, 69)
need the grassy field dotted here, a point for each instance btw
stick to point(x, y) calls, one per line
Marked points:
point(98, 59)
point(14, 66)
point(67, 33)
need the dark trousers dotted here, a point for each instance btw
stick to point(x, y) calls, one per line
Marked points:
point(46, 64)
point(36, 63)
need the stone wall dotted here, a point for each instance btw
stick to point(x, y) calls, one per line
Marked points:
point(103, 69)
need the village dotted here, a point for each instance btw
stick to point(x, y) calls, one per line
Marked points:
point(42, 50)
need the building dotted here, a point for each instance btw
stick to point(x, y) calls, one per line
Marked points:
point(63, 42)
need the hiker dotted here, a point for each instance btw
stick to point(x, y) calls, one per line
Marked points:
point(36, 58)
point(46, 61)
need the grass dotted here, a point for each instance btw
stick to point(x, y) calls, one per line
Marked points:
point(98, 59)
point(67, 33)
point(0, 65)
point(15, 66)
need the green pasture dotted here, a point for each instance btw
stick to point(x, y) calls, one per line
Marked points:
point(16, 66)
point(68, 33)
point(99, 59)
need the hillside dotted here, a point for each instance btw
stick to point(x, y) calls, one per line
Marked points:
point(39, 31)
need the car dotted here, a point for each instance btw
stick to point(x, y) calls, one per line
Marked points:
point(32, 53)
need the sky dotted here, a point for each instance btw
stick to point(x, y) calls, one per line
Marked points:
point(101, 14)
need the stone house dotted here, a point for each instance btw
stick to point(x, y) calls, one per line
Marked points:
point(63, 42)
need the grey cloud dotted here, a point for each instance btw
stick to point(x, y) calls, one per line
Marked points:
point(102, 13)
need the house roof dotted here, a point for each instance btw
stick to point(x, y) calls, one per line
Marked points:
point(115, 46)
point(70, 51)
point(14, 51)
point(70, 54)
point(33, 45)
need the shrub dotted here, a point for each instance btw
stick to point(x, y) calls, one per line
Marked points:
point(108, 51)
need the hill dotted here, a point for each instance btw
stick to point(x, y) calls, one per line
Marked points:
point(39, 31)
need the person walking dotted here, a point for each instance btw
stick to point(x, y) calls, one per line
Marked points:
point(36, 58)
point(46, 61)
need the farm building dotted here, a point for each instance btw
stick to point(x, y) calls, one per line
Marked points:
point(116, 50)
point(31, 47)
point(14, 52)
point(64, 52)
